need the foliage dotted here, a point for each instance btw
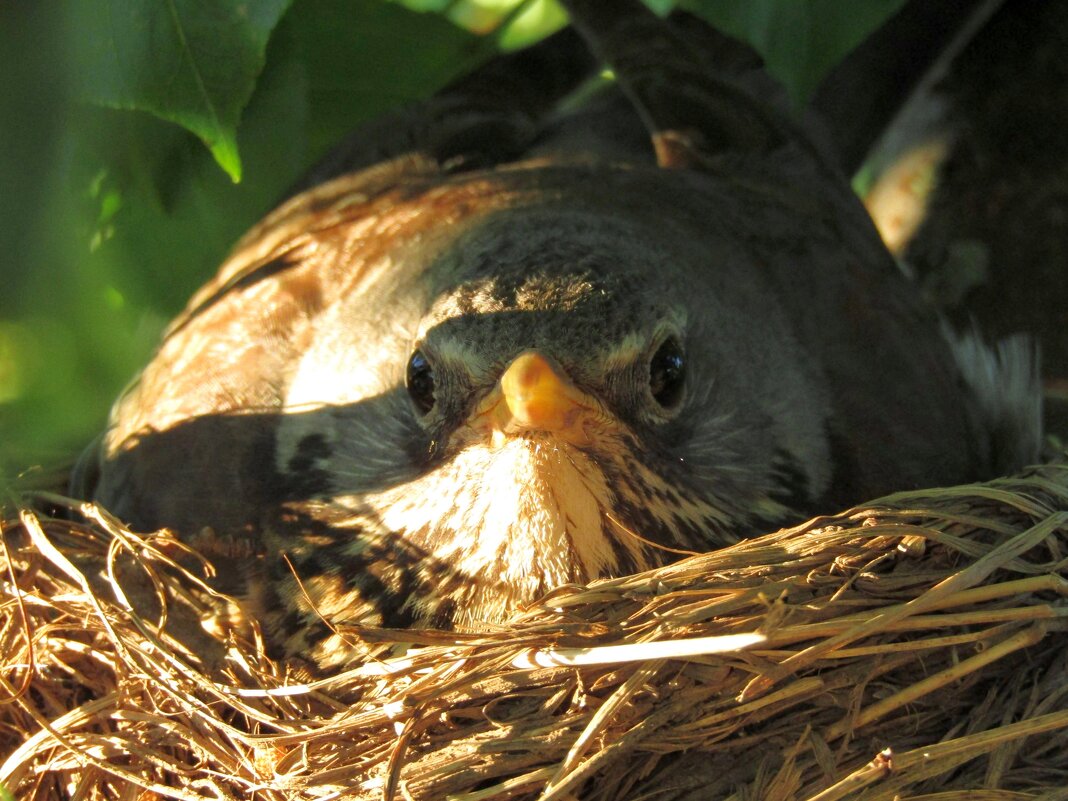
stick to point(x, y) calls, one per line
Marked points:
point(110, 216)
point(188, 61)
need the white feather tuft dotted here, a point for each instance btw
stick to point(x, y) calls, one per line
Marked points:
point(1006, 392)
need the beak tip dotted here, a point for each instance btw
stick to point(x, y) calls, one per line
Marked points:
point(538, 394)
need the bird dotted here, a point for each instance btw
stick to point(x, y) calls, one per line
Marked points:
point(545, 328)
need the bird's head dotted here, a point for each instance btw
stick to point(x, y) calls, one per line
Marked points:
point(558, 396)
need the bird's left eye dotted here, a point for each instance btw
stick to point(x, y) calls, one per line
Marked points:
point(667, 372)
point(420, 382)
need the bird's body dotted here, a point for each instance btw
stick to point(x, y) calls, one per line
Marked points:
point(443, 392)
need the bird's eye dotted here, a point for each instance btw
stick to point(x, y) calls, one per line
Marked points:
point(420, 382)
point(667, 372)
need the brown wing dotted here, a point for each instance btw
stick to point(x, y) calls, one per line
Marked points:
point(228, 353)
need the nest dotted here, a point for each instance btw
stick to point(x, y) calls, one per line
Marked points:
point(909, 648)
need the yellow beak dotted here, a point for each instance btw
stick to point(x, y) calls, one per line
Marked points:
point(535, 394)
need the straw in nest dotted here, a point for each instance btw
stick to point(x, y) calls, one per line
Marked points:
point(911, 648)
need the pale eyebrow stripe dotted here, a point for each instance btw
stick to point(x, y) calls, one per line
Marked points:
point(625, 352)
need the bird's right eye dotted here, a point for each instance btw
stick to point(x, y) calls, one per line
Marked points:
point(420, 382)
point(667, 373)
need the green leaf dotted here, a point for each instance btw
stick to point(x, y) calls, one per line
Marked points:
point(193, 62)
point(800, 40)
point(364, 57)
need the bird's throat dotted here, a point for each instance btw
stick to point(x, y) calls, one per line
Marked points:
point(513, 521)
